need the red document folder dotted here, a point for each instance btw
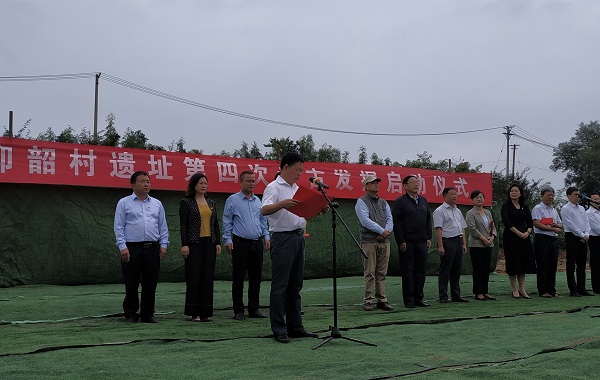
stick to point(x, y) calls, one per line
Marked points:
point(310, 203)
point(547, 221)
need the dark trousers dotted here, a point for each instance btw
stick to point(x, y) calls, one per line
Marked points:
point(576, 259)
point(546, 259)
point(450, 268)
point(143, 267)
point(481, 258)
point(413, 266)
point(246, 256)
point(287, 258)
point(594, 244)
point(199, 278)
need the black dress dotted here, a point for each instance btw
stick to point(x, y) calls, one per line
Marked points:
point(518, 252)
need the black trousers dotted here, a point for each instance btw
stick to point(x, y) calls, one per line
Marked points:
point(287, 258)
point(481, 258)
point(594, 244)
point(576, 260)
point(413, 266)
point(246, 256)
point(450, 268)
point(142, 268)
point(199, 278)
point(546, 259)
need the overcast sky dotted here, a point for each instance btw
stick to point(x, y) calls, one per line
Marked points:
point(414, 66)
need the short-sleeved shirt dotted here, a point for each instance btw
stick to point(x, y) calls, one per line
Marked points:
point(541, 211)
point(450, 219)
point(282, 220)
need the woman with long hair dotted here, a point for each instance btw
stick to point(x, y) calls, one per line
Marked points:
point(200, 240)
point(518, 251)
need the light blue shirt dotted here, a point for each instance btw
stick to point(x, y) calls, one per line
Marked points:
point(138, 221)
point(242, 217)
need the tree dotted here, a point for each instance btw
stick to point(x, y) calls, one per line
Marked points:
point(177, 146)
point(424, 161)
point(23, 133)
point(327, 153)
point(49, 135)
point(375, 159)
point(279, 147)
point(579, 158)
point(362, 155)
point(306, 148)
point(243, 152)
point(67, 136)
point(465, 167)
point(86, 137)
point(109, 136)
point(134, 139)
point(255, 151)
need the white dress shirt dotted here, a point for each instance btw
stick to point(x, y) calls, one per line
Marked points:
point(575, 220)
point(450, 219)
point(594, 218)
point(282, 220)
point(541, 211)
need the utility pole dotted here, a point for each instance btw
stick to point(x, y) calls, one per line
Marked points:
point(96, 111)
point(514, 148)
point(10, 123)
point(508, 134)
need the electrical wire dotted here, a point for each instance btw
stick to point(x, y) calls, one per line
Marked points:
point(32, 78)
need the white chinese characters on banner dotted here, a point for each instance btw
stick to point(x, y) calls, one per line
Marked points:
point(193, 166)
point(122, 165)
point(227, 171)
point(159, 168)
point(439, 183)
point(343, 179)
point(422, 184)
point(394, 183)
point(260, 172)
point(5, 158)
point(459, 184)
point(41, 161)
point(85, 160)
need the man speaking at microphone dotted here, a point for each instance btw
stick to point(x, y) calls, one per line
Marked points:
point(287, 250)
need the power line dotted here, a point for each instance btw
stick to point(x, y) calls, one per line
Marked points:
point(148, 90)
point(151, 91)
point(32, 78)
point(534, 137)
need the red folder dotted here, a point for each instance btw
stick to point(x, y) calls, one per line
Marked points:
point(310, 203)
point(547, 221)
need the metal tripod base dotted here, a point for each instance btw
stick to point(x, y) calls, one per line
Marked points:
point(335, 334)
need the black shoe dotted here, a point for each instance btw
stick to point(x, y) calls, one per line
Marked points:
point(239, 316)
point(410, 305)
point(488, 297)
point(256, 314)
point(302, 334)
point(132, 319)
point(459, 299)
point(282, 338)
point(480, 299)
point(574, 293)
point(384, 306)
point(149, 319)
point(443, 300)
point(586, 293)
point(527, 297)
point(421, 303)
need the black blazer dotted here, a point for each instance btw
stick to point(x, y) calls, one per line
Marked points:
point(189, 219)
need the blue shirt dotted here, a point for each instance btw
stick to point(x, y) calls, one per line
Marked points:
point(137, 221)
point(242, 217)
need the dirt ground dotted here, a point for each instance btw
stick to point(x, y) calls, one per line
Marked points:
point(501, 266)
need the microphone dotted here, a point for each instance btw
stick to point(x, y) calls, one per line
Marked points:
point(588, 199)
point(317, 181)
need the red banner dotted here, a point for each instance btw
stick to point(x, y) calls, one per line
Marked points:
point(32, 161)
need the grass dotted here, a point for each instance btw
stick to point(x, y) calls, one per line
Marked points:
point(61, 332)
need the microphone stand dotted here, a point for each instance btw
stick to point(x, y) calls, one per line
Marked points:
point(335, 331)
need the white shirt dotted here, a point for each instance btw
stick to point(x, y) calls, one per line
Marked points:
point(282, 220)
point(542, 211)
point(594, 218)
point(575, 220)
point(450, 219)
